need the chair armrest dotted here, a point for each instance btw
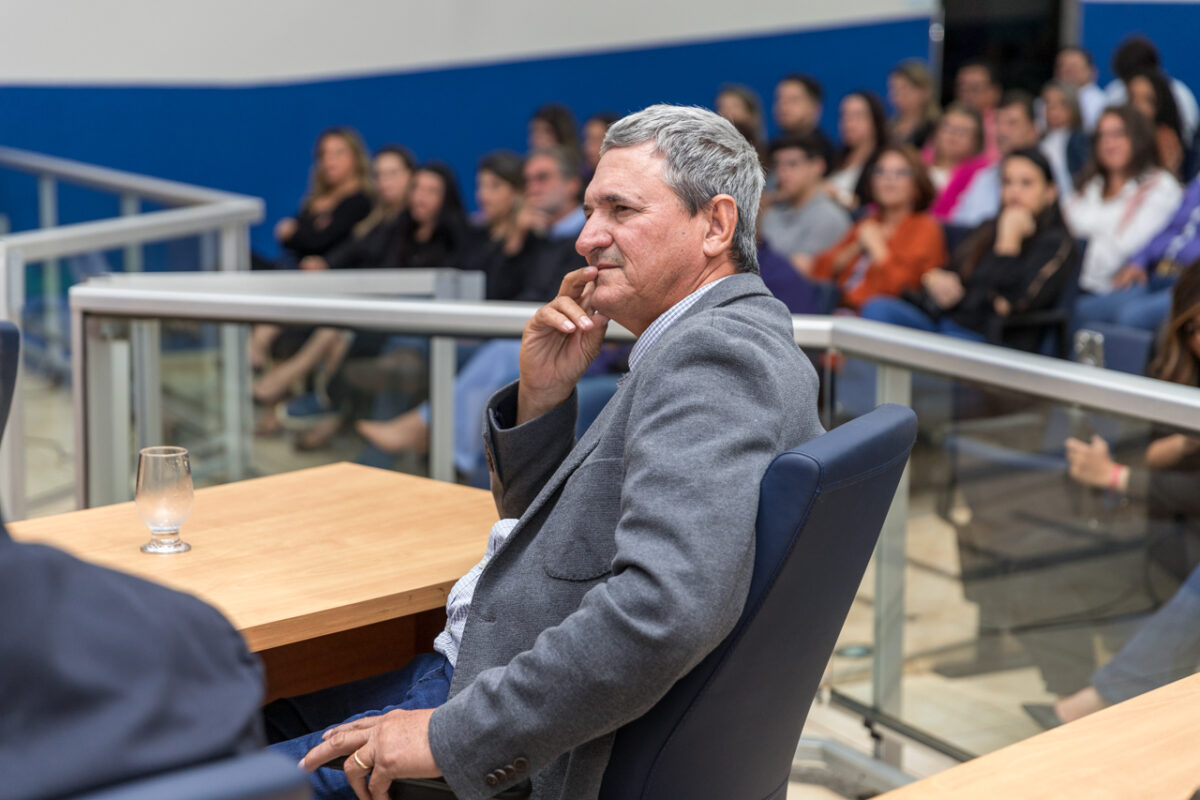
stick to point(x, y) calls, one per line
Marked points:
point(436, 788)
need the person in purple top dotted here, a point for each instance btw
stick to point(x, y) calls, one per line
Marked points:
point(1141, 296)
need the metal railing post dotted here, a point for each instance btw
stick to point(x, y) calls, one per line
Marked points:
point(12, 447)
point(441, 408)
point(109, 455)
point(238, 412)
point(146, 340)
point(893, 384)
point(131, 205)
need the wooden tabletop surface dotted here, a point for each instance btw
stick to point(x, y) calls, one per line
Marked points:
point(299, 555)
point(1148, 746)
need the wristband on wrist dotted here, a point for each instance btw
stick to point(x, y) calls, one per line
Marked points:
point(1114, 480)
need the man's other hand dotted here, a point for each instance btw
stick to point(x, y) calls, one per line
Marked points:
point(391, 746)
point(558, 344)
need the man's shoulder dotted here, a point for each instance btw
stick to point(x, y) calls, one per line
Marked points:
point(823, 208)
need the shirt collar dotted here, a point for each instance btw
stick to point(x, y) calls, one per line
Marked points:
point(664, 321)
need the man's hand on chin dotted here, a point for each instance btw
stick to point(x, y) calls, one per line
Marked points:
point(378, 750)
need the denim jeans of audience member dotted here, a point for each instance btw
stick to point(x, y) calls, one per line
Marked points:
point(1143, 307)
point(296, 724)
point(901, 312)
point(1165, 648)
point(492, 367)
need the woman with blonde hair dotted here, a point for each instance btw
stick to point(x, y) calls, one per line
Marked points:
point(913, 95)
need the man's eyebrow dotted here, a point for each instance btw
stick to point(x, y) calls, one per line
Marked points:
point(612, 198)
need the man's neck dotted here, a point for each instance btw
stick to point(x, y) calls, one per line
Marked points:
point(714, 271)
point(804, 197)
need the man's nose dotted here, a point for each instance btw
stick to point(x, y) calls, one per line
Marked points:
point(594, 236)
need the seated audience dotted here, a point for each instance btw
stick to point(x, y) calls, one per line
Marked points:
point(549, 211)
point(107, 678)
point(1008, 265)
point(863, 128)
point(913, 97)
point(339, 197)
point(593, 137)
point(1150, 94)
point(1135, 54)
point(431, 229)
point(1016, 129)
point(372, 246)
point(554, 125)
point(954, 156)
point(1141, 295)
point(889, 249)
point(797, 109)
point(803, 220)
point(1074, 67)
point(742, 106)
point(1064, 143)
point(1124, 197)
point(1166, 646)
point(977, 84)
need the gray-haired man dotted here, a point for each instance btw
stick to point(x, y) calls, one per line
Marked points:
point(628, 554)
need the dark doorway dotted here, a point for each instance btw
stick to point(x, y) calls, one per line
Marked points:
point(1020, 37)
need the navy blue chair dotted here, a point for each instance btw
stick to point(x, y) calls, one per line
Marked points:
point(258, 776)
point(10, 357)
point(728, 729)
point(1124, 349)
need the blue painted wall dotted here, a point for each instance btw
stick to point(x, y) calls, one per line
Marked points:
point(1171, 26)
point(258, 140)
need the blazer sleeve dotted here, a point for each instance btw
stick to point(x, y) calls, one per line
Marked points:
point(523, 457)
point(679, 577)
point(915, 248)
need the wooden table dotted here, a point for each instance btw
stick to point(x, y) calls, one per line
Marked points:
point(331, 573)
point(1148, 746)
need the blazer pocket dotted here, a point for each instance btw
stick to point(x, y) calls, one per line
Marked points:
point(579, 536)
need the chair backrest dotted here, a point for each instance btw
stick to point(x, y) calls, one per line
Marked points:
point(728, 729)
point(1125, 349)
point(10, 357)
point(258, 776)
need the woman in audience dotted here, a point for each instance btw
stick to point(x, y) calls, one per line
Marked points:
point(552, 125)
point(373, 241)
point(862, 125)
point(1166, 646)
point(339, 197)
point(593, 138)
point(895, 243)
point(1124, 197)
point(1150, 93)
point(1011, 264)
point(954, 156)
point(742, 106)
point(1064, 143)
point(912, 95)
point(431, 230)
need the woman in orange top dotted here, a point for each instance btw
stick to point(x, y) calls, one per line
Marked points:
point(890, 248)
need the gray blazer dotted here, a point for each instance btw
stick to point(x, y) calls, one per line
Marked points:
point(633, 554)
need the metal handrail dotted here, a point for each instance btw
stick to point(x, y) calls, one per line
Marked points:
point(1067, 382)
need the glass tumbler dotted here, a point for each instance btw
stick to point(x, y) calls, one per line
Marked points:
point(164, 496)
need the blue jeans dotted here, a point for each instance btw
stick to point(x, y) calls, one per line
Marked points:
point(902, 312)
point(297, 723)
point(1143, 307)
point(1165, 648)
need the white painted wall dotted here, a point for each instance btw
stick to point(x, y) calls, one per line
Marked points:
point(104, 42)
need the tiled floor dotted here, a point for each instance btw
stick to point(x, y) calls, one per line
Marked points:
point(978, 713)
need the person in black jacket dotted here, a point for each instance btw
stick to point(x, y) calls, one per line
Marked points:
point(107, 678)
point(1014, 263)
point(1166, 646)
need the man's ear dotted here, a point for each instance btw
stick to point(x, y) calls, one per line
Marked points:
point(722, 220)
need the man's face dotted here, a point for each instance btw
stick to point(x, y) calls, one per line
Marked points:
point(1071, 67)
point(794, 107)
point(1014, 130)
point(545, 187)
point(646, 245)
point(973, 87)
point(796, 172)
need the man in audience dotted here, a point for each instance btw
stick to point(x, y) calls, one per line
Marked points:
point(552, 187)
point(1016, 129)
point(797, 109)
point(622, 560)
point(804, 220)
point(107, 678)
point(1075, 67)
point(977, 84)
point(1138, 54)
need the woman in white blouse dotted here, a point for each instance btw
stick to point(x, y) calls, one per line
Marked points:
point(1124, 197)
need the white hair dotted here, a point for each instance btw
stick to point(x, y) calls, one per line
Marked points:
point(703, 156)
